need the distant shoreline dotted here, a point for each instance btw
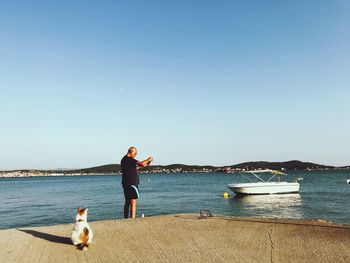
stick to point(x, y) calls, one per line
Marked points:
point(114, 169)
point(44, 173)
point(31, 175)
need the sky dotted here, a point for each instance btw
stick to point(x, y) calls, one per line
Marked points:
point(193, 82)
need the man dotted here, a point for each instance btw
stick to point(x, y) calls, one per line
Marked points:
point(130, 180)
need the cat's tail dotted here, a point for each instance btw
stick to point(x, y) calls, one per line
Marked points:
point(84, 238)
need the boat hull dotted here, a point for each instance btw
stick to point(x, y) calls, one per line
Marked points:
point(265, 188)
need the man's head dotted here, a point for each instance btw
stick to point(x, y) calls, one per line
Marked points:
point(132, 152)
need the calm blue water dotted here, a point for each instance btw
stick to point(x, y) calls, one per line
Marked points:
point(53, 200)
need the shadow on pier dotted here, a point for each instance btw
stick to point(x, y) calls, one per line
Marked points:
point(47, 237)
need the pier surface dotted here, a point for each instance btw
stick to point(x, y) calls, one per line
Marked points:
point(183, 238)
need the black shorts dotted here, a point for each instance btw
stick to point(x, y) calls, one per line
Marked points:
point(131, 192)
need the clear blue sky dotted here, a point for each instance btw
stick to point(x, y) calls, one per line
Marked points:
point(194, 82)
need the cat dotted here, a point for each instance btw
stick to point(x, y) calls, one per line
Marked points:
point(82, 234)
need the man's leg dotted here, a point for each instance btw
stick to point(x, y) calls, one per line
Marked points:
point(133, 208)
point(126, 208)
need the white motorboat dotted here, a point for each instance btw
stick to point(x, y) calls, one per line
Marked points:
point(348, 181)
point(265, 186)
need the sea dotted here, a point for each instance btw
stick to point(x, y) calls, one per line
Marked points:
point(42, 201)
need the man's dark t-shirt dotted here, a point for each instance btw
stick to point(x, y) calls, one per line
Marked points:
point(129, 171)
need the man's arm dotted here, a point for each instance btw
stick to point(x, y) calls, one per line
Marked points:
point(144, 163)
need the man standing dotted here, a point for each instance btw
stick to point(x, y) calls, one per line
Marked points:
point(130, 180)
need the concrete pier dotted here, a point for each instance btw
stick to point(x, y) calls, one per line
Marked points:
point(183, 238)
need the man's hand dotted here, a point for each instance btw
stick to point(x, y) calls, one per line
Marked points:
point(145, 162)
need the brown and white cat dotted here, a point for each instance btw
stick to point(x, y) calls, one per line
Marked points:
point(82, 234)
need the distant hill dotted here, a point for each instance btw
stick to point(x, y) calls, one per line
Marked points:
point(181, 166)
point(290, 165)
point(176, 168)
point(115, 168)
point(108, 168)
